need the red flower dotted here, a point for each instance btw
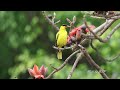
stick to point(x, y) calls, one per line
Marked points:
point(38, 73)
point(76, 32)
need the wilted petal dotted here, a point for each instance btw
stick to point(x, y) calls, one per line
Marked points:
point(31, 72)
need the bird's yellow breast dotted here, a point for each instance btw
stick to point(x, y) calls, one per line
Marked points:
point(61, 38)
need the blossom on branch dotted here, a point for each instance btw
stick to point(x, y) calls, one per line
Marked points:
point(38, 73)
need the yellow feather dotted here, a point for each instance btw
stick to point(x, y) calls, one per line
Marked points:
point(61, 38)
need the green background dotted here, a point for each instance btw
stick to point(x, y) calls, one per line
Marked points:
point(26, 38)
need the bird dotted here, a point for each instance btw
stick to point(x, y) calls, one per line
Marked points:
point(61, 39)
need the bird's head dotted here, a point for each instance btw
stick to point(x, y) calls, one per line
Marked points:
point(64, 26)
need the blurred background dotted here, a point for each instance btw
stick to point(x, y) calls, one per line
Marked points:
point(26, 38)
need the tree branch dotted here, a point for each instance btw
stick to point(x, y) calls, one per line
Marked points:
point(112, 32)
point(106, 27)
point(89, 59)
point(74, 66)
point(107, 38)
point(65, 62)
point(92, 32)
point(65, 48)
point(50, 21)
point(101, 27)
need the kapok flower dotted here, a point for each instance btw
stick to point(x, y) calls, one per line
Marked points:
point(37, 73)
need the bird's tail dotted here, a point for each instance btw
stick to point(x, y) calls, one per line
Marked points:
point(59, 54)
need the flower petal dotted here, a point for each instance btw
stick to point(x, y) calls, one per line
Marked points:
point(35, 69)
point(31, 72)
point(42, 76)
point(37, 76)
point(42, 70)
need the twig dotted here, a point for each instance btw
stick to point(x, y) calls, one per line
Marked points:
point(71, 22)
point(91, 44)
point(108, 37)
point(97, 37)
point(65, 62)
point(97, 52)
point(110, 60)
point(87, 36)
point(89, 59)
point(53, 67)
point(112, 32)
point(98, 17)
point(50, 21)
point(74, 66)
point(115, 17)
point(98, 29)
point(63, 48)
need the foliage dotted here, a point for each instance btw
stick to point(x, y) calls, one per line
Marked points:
point(27, 39)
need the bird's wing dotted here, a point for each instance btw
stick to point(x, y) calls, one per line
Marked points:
point(57, 35)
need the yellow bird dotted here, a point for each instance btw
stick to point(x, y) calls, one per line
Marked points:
point(61, 38)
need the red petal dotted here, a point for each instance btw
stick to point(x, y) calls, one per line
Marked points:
point(35, 69)
point(87, 30)
point(37, 76)
point(42, 70)
point(73, 32)
point(42, 76)
point(31, 72)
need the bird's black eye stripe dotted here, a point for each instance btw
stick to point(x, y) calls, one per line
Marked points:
point(64, 25)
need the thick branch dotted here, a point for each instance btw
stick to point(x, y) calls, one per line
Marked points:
point(93, 33)
point(107, 38)
point(101, 27)
point(106, 27)
point(98, 29)
point(74, 66)
point(89, 59)
point(65, 62)
point(50, 21)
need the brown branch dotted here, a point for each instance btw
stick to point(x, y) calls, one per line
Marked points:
point(112, 32)
point(97, 37)
point(65, 48)
point(65, 62)
point(107, 38)
point(113, 59)
point(87, 36)
point(106, 27)
point(91, 44)
point(101, 27)
point(50, 21)
point(89, 59)
point(115, 17)
point(74, 66)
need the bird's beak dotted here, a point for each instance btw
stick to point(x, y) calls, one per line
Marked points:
point(65, 26)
